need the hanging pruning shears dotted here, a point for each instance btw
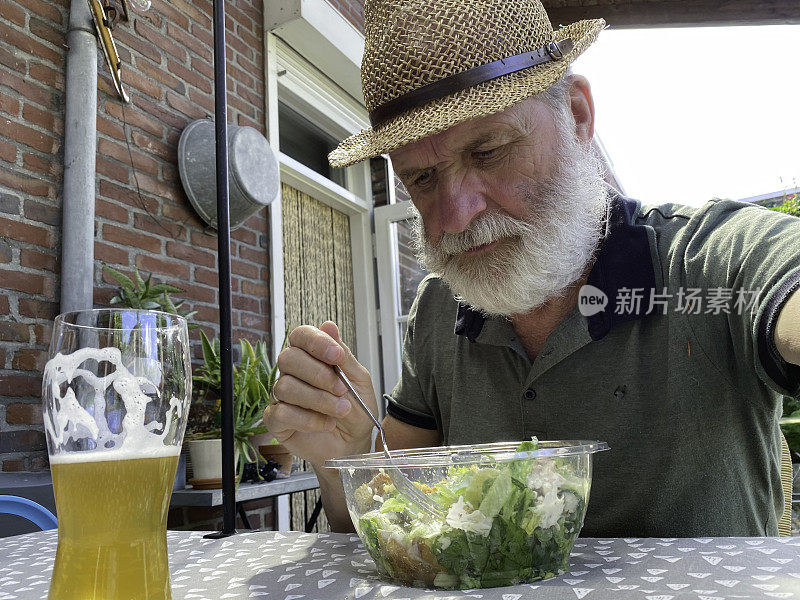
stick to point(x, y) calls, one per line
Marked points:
point(105, 16)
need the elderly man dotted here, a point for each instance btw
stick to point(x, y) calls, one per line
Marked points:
point(491, 134)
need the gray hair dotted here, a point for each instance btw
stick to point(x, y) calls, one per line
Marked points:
point(556, 97)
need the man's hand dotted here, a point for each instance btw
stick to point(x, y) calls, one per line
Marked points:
point(314, 416)
point(787, 330)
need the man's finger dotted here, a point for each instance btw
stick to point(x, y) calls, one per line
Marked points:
point(300, 364)
point(317, 343)
point(354, 370)
point(291, 390)
point(282, 417)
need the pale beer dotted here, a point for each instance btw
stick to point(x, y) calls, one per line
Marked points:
point(115, 396)
point(112, 520)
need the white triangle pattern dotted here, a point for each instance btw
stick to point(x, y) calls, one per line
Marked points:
point(298, 566)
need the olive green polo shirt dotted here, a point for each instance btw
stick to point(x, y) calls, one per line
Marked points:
point(687, 395)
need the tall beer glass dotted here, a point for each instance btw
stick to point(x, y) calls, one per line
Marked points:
point(116, 394)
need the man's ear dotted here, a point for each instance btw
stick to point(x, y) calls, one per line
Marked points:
point(582, 105)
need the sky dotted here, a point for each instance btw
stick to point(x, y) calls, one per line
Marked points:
point(687, 115)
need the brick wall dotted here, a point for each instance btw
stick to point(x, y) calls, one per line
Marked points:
point(167, 56)
point(353, 10)
point(32, 60)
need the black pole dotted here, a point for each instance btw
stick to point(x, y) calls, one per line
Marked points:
point(224, 263)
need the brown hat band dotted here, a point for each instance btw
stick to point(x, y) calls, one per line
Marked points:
point(553, 51)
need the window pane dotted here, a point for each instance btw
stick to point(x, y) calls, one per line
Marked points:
point(409, 272)
point(403, 327)
point(300, 139)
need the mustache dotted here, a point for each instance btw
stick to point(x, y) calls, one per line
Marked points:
point(485, 229)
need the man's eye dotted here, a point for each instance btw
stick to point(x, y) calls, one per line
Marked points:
point(484, 154)
point(424, 177)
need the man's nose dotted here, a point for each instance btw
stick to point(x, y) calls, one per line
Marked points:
point(460, 201)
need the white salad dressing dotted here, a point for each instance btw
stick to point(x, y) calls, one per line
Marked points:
point(459, 518)
point(550, 507)
point(547, 482)
point(544, 477)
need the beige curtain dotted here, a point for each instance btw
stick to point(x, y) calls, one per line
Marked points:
point(318, 286)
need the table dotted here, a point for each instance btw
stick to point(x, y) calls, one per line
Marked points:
point(294, 566)
point(298, 481)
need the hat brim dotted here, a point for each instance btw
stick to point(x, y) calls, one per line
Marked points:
point(487, 98)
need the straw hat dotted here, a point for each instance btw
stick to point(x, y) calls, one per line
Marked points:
point(431, 64)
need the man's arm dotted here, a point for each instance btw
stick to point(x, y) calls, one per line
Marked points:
point(399, 435)
point(787, 330)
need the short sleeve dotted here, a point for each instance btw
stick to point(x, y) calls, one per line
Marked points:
point(751, 256)
point(408, 402)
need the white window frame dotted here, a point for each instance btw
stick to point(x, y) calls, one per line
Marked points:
point(388, 288)
point(296, 83)
point(308, 92)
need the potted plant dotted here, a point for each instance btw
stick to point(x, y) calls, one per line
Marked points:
point(253, 379)
point(142, 294)
point(790, 426)
point(268, 446)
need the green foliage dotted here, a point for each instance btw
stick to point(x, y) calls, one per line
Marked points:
point(253, 380)
point(790, 205)
point(141, 294)
point(790, 425)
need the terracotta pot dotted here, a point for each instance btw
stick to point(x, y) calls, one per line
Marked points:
point(261, 439)
point(280, 454)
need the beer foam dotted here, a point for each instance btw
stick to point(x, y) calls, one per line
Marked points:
point(66, 458)
point(74, 422)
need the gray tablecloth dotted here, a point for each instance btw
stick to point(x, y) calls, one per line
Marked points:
point(295, 566)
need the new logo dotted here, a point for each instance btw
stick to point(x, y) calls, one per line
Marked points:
point(591, 300)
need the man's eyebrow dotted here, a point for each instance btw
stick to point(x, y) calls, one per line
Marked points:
point(407, 174)
point(480, 140)
point(477, 142)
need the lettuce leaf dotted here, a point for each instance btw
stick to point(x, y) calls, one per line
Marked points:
point(520, 469)
point(479, 484)
point(497, 494)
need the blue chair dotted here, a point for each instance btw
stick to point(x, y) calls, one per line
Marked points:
point(28, 509)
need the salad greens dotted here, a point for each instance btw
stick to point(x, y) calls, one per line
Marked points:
point(506, 523)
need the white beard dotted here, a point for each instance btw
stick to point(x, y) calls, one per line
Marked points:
point(536, 259)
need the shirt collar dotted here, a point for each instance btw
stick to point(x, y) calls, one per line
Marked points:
point(624, 262)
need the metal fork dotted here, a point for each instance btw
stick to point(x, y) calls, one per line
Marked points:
point(403, 484)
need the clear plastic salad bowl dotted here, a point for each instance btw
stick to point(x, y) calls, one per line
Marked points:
point(513, 511)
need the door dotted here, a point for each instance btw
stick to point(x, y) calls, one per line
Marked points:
point(318, 286)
